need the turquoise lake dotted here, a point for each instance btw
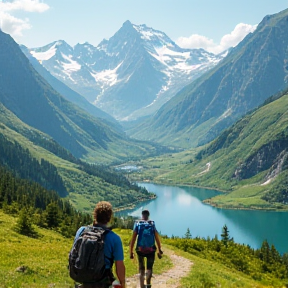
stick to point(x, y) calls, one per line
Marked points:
point(177, 208)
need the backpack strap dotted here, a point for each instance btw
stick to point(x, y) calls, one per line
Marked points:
point(107, 230)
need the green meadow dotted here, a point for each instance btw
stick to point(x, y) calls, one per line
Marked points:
point(44, 261)
point(45, 258)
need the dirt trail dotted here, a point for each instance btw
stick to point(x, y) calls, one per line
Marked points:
point(168, 279)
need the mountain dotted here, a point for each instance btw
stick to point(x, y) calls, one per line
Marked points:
point(251, 72)
point(130, 75)
point(67, 92)
point(27, 95)
point(29, 154)
point(249, 160)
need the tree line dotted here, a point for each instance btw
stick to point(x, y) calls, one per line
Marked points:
point(37, 205)
point(19, 161)
point(261, 264)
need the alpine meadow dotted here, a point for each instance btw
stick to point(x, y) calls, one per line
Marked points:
point(193, 131)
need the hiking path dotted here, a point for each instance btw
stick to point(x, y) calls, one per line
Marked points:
point(170, 278)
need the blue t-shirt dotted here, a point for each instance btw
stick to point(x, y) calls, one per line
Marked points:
point(113, 248)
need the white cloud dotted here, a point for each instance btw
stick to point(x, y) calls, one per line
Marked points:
point(24, 5)
point(13, 25)
point(237, 35)
point(227, 41)
point(195, 41)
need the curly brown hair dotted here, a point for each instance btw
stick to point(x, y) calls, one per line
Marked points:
point(103, 212)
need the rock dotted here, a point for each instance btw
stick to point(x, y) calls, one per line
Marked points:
point(21, 269)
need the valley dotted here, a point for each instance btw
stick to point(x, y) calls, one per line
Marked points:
point(235, 163)
point(233, 160)
point(199, 138)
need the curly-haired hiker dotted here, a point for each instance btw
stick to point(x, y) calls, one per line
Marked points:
point(96, 248)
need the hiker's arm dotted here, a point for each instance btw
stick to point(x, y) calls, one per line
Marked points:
point(157, 238)
point(134, 236)
point(120, 271)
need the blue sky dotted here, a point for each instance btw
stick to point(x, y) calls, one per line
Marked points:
point(210, 24)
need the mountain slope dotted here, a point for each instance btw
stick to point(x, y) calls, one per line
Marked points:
point(17, 159)
point(67, 92)
point(55, 168)
point(24, 92)
point(130, 75)
point(250, 159)
point(252, 72)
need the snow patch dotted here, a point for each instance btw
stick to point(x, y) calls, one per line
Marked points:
point(71, 66)
point(167, 57)
point(146, 35)
point(46, 55)
point(107, 77)
point(164, 50)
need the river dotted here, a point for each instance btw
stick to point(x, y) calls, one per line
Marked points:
point(177, 208)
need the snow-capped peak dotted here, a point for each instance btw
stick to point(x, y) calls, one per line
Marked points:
point(151, 35)
point(137, 68)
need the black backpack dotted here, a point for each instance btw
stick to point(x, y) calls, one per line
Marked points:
point(86, 258)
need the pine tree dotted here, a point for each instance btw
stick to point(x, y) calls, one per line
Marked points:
point(188, 234)
point(225, 235)
point(53, 217)
point(24, 224)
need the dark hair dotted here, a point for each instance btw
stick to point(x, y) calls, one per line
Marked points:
point(103, 212)
point(145, 214)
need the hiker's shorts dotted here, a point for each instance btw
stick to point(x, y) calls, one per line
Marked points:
point(149, 263)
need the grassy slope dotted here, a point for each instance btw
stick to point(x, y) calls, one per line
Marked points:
point(118, 150)
point(259, 128)
point(46, 262)
point(46, 258)
point(84, 190)
point(208, 274)
point(193, 115)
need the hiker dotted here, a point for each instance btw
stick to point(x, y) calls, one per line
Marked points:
point(112, 253)
point(145, 248)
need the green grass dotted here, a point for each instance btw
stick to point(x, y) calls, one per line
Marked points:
point(208, 274)
point(84, 190)
point(46, 257)
point(238, 149)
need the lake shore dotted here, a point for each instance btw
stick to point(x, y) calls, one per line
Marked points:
point(239, 207)
point(177, 208)
point(133, 205)
point(234, 206)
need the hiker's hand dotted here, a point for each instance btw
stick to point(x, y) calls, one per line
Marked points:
point(132, 255)
point(159, 254)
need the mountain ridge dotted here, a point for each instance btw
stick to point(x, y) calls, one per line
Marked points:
point(247, 161)
point(251, 72)
point(65, 91)
point(37, 104)
point(131, 74)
